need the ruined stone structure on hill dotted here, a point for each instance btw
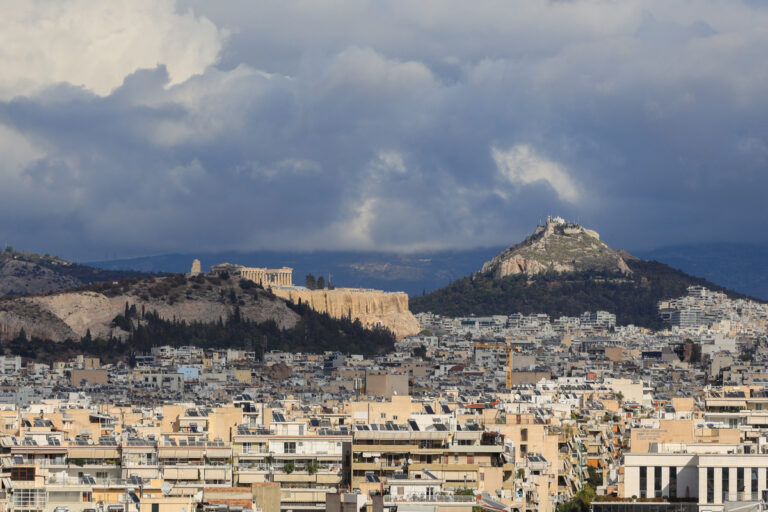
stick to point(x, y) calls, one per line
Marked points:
point(265, 277)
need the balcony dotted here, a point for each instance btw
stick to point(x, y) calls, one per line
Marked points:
point(436, 498)
point(66, 480)
point(384, 448)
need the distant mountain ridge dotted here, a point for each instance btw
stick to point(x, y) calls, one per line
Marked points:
point(413, 273)
point(26, 273)
point(741, 267)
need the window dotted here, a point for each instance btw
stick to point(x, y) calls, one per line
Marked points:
point(289, 447)
point(657, 481)
point(710, 485)
point(672, 482)
point(726, 483)
point(383, 415)
point(643, 482)
point(23, 474)
point(155, 507)
point(470, 459)
point(740, 484)
point(29, 498)
point(753, 487)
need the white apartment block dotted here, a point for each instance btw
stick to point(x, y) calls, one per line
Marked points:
point(712, 479)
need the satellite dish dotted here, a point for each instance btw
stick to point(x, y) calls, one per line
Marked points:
point(410, 461)
point(166, 488)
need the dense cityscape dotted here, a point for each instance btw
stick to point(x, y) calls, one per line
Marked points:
point(383, 256)
point(500, 413)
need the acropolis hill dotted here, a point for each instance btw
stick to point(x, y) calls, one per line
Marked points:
point(372, 307)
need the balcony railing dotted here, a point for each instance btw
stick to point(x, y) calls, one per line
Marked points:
point(434, 498)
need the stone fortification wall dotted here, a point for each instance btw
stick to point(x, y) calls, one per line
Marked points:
point(371, 307)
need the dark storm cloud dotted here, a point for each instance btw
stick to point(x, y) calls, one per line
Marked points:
point(395, 125)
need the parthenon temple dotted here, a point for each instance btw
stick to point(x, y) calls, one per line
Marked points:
point(263, 276)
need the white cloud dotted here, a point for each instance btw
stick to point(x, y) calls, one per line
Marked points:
point(96, 44)
point(369, 124)
point(366, 69)
point(182, 176)
point(521, 165)
point(387, 162)
point(18, 153)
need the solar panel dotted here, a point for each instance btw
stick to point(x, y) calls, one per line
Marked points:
point(428, 409)
point(414, 425)
point(446, 410)
point(87, 480)
point(135, 480)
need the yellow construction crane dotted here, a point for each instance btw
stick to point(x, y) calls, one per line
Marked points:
point(508, 349)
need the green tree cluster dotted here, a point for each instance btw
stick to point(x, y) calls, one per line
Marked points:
point(631, 298)
point(315, 283)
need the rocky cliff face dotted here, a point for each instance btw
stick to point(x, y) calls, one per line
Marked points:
point(70, 315)
point(557, 246)
point(371, 307)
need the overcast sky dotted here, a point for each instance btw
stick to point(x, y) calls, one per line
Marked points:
point(143, 127)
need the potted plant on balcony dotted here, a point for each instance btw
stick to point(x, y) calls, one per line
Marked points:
point(288, 468)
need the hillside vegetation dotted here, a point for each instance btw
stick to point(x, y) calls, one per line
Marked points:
point(132, 315)
point(632, 298)
point(27, 273)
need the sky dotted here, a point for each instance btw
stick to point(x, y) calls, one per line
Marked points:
point(152, 126)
